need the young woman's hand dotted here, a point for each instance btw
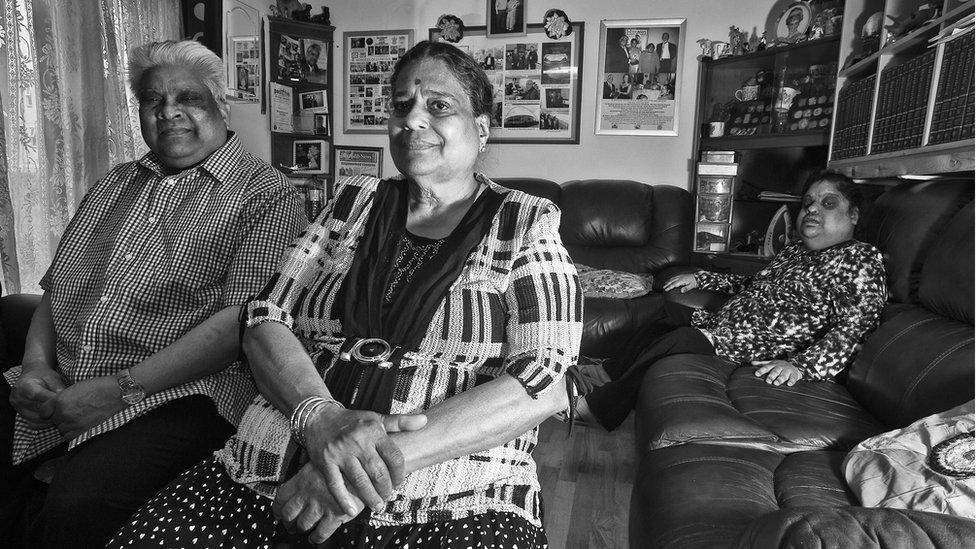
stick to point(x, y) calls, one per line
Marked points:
point(683, 282)
point(778, 372)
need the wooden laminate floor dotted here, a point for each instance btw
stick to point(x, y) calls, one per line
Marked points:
point(586, 483)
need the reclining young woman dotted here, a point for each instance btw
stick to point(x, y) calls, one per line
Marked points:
point(801, 317)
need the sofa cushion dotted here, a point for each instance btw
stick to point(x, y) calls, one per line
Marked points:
point(810, 414)
point(905, 223)
point(700, 495)
point(613, 284)
point(856, 527)
point(915, 364)
point(946, 285)
point(697, 398)
point(814, 478)
point(626, 225)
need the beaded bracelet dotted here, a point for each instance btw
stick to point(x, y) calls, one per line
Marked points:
point(305, 410)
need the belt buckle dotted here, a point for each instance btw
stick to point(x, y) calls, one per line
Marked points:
point(373, 350)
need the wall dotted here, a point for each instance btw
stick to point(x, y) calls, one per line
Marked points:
point(653, 160)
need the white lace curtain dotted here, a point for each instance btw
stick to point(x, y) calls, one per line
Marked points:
point(67, 114)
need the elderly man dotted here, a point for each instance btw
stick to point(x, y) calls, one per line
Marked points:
point(130, 354)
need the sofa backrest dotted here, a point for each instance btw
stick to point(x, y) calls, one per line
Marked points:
point(626, 225)
point(905, 223)
point(535, 186)
point(920, 360)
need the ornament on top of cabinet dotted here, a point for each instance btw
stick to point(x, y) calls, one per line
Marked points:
point(753, 41)
point(557, 24)
point(290, 9)
point(323, 18)
point(706, 46)
point(737, 40)
point(451, 27)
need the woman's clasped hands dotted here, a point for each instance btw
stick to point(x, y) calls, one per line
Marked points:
point(353, 464)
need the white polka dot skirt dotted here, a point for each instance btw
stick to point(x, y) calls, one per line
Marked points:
point(205, 508)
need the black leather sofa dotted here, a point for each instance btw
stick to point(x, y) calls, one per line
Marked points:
point(621, 225)
point(726, 460)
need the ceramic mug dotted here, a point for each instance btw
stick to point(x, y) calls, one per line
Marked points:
point(784, 99)
point(747, 93)
point(719, 49)
point(716, 129)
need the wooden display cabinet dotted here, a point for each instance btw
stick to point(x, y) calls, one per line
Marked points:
point(905, 103)
point(779, 136)
point(300, 103)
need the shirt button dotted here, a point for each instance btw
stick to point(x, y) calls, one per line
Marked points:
point(128, 257)
point(152, 219)
point(86, 348)
point(104, 299)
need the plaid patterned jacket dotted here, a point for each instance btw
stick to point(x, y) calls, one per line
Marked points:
point(146, 258)
point(516, 308)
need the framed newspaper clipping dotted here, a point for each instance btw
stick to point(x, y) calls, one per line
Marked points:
point(640, 76)
point(358, 161)
point(368, 61)
point(536, 81)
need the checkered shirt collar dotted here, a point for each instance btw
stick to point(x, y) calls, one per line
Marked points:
point(220, 164)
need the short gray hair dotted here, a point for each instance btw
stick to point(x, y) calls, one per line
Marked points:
point(185, 53)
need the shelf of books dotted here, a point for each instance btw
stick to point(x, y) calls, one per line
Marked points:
point(911, 111)
point(300, 61)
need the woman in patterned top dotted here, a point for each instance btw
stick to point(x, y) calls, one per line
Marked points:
point(406, 349)
point(801, 317)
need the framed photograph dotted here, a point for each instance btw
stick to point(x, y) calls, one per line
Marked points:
point(320, 125)
point(789, 21)
point(358, 161)
point(312, 100)
point(315, 57)
point(640, 67)
point(368, 60)
point(244, 69)
point(505, 18)
point(536, 80)
point(711, 237)
point(310, 156)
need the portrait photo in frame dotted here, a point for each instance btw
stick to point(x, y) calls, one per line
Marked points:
point(536, 80)
point(505, 18)
point(349, 161)
point(640, 68)
point(310, 156)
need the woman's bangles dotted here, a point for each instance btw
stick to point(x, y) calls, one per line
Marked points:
point(305, 410)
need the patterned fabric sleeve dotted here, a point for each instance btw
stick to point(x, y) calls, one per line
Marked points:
point(858, 296)
point(722, 282)
point(545, 303)
point(274, 219)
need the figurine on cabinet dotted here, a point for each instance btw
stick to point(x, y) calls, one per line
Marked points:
point(706, 46)
point(737, 40)
point(289, 8)
point(322, 18)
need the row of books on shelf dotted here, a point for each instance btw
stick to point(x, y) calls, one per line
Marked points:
point(853, 118)
point(952, 118)
point(903, 95)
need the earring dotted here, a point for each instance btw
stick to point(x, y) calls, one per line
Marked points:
point(482, 147)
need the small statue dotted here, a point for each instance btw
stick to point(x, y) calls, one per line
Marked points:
point(754, 41)
point(322, 18)
point(303, 14)
point(287, 8)
point(736, 40)
point(762, 42)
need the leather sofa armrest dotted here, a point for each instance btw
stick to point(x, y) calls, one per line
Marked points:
point(856, 527)
point(16, 311)
point(683, 399)
point(696, 299)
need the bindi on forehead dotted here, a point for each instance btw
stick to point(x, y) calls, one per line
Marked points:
point(417, 81)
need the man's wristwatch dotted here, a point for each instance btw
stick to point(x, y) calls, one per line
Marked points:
point(130, 391)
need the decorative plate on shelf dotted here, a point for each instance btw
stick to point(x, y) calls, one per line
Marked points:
point(788, 22)
point(954, 457)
